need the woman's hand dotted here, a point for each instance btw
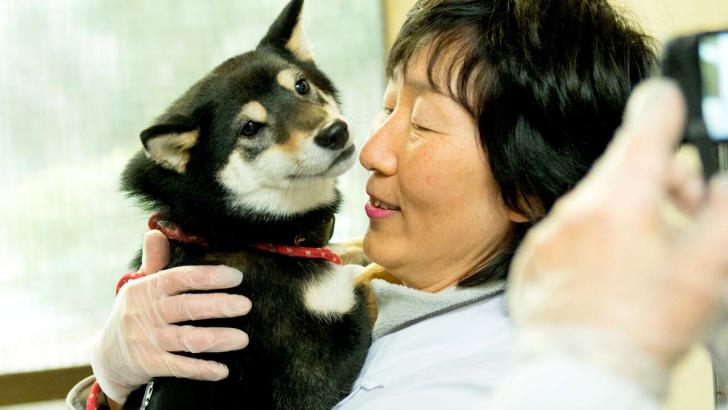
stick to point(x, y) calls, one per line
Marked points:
point(611, 275)
point(135, 344)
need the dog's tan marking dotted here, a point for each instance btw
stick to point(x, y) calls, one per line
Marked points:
point(331, 107)
point(298, 43)
point(253, 111)
point(172, 150)
point(287, 79)
point(293, 145)
point(332, 115)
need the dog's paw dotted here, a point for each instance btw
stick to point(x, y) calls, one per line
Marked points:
point(350, 252)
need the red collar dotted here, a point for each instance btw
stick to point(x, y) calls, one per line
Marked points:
point(300, 252)
point(173, 232)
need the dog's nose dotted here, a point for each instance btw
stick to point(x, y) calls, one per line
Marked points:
point(333, 137)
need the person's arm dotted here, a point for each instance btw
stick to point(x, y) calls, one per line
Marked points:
point(609, 291)
point(151, 342)
point(135, 344)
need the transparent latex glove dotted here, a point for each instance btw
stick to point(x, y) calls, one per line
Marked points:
point(135, 344)
point(627, 271)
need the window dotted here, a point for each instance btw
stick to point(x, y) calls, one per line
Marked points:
point(80, 80)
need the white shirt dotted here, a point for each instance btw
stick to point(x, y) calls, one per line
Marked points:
point(461, 355)
point(452, 360)
point(563, 382)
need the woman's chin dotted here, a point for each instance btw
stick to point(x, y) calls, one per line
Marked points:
point(381, 251)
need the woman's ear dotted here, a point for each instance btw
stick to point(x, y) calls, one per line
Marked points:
point(531, 209)
point(517, 217)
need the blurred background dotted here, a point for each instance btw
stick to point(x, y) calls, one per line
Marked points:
point(82, 78)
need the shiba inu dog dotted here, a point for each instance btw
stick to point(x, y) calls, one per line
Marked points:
point(240, 166)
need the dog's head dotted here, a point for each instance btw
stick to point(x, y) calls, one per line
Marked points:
point(264, 128)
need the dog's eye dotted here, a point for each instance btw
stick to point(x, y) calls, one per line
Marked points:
point(302, 87)
point(251, 128)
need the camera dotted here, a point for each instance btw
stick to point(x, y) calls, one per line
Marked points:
point(699, 64)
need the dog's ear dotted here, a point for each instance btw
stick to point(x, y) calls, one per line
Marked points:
point(287, 32)
point(168, 143)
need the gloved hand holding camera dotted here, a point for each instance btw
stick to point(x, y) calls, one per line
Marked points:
point(629, 270)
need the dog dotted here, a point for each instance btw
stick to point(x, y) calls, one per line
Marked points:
point(239, 171)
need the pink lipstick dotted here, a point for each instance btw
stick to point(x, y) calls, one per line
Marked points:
point(376, 210)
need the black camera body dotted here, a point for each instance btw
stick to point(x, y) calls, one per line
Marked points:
point(699, 64)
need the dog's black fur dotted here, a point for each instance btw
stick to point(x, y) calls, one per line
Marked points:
point(296, 358)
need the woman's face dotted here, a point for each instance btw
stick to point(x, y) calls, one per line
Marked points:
point(435, 213)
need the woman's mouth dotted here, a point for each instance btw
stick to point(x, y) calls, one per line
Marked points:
point(376, 209)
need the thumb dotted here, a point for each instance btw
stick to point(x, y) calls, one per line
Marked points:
point(155, 252)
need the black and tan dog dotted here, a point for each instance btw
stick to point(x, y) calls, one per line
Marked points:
point(248, 156)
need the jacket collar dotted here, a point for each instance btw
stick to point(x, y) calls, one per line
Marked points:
point(399, 306)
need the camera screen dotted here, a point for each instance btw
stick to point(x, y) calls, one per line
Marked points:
point(713, 51)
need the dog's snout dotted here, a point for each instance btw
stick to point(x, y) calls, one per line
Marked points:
point(333, 137)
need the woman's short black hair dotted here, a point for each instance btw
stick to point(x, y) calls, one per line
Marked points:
point(547, 81)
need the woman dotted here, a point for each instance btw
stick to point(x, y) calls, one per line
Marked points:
point(493, 110)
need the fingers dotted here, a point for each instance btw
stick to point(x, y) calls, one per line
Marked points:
point(190, 306)
point(654, 124)
point(201, 339)
point(155, 252)
point(173, 365)
point(186, 278)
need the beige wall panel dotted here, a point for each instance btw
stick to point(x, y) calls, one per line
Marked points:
point(394, 14)
point(667, 18)
point(691, 385)
point(661, 18)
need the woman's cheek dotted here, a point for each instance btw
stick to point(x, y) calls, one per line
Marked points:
point(423, 184)
point(431, 163)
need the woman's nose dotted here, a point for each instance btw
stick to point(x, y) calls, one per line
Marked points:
point(380, 152)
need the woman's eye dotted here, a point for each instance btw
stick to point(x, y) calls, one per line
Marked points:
point(387, 111)
point(251, 128)
point(302, 87)
point(419, 128)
